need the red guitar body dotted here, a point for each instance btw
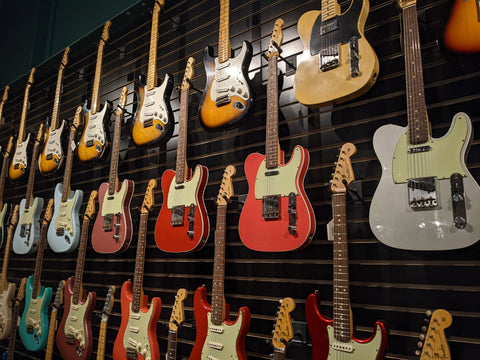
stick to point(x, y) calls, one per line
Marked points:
point(119, 351)
point(76, 351)
point(262, 234)
point(175, 238)
point(201, 308)
point(118, 237)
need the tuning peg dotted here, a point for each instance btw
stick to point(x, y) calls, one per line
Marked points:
point(424, 329)
point(428, 313)
point(417, 352)
point(419, 344)
point(421, 337)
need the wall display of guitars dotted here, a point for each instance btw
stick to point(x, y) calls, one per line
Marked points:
point(462, 31)
point(5, 207)
point(10, 354)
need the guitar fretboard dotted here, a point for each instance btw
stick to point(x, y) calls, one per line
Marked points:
point(13, 333)
point(68, 165)
point(31, 174)
point(224, 32)
point(23, 120)
point(139, 263)
point(328, 9)
point(51, 334)
point(39, 262)
point(96, 82)
point(113, 175)
point(219, 267)
point(56, 102)
point(272, 145)
point(6, 257)
point(102, 340)
point(182, 138)
point(3, 174)
point(152, 57)
point(82, 249)
point(172, 345)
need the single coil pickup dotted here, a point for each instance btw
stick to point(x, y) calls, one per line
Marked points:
point(272, 173)
point(329, 26)
point(215, 345)
point(342, 347)
point(216, 329)
point(419, 149)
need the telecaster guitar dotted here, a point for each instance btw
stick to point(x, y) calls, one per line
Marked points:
point(462, 32)
point(433, 345)
point(5, 207)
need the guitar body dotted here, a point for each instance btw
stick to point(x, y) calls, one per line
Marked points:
point(112, 231)
point(258, 233)
point(6, 301)
point(232, 334)
point(74, 334)
point(4, 216)
point(64, 230)
point(175, 238)
point(432, 228)
point(19, 163)
point(33, 326)
point(145, 339)
point(311, 81)
point(227, 95)
point(94, 140)
point(51, 157)
point(27, 232)
point(462, 31)
point(154, 122)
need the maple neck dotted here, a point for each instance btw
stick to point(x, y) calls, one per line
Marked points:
point(13, 332)
point(272, 146)
point(182, 138)
point(137, 287)
point(328, 9)
point(224, 32)
point(113, 175)
point(31, 174)
point(39, 263)
point(6, 257)
point(341, 292)
point(56, 102)
point(4, 99)
point(152, 57)
point(102, 340)
point(68, 166)
point(51, 334)
point(23, 119)
point(96, 82)
point(418, 128)
point(172, 345)
point(219, 267)
point(279, 354)
point(3, 174)
point(82, 249)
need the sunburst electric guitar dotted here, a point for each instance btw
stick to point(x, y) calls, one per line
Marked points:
point(217, 336)
point(426, 198)
point(74, 335)
point(94, 140)
point(154, 122)
point(51, 157)
point(227, 95)
point(57, 303)
point(106, 312)
point(33, 326)
point(433, 344)
point(5, 207)
point(332, 338)
point(10, 355)
point(283, 329)
point(183, 223)
point(277, 215)
point(137, 336)
point(176, 319)
point(336, 55)
point(462, 32)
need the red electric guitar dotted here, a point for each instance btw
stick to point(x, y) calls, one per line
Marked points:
point(137, 336)
point(183, 224)
point(332, 338)
point(112, 231)
point(74, 335)
point(217, 336)
point(277, 215)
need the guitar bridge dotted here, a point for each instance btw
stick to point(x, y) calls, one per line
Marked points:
point(422, 193)
point(131, 353)
point(222, 100)
point(148, 123)
point(292, 213)
point(70, 339)
point(458, 201)
point(116, 237)
point(191, 221)
point(49, 156)
point(59, 231)
point(329, 57)
point(30, 328)
point(271, 206)
point(89, 143)
point(176, 219)
point(107, 222)
point(354, 57)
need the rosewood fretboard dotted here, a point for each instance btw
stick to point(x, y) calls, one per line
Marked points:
point(219, 267)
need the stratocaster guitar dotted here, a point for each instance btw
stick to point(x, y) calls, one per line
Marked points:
point(217, 337)
point(336, 55)
point(7, 290)
point(332, 338)
point(19, 163)
point(137, 336)
point(74, 335)
point(426, 198)
point(433, 345)
point(5, 207)
point(94, 140)
point(176, 319)
point(183, 223)
point(27, 233)
point(64, 230)
point(154, 122)
point(106, 312)
point(33, 326)
point(227, 95)
point(277, 215)
point(462, 32)
point(57, 303)
point(16, 308)
point(283, 329)
point(51, 157)
point(112, 231)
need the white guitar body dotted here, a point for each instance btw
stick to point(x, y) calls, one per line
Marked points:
point(221, 341)
point(20, 158)
point(393, 220)
point(27, 232)
point(53, 147)
point(353, 350)
point(6, 301)
point(64, 230)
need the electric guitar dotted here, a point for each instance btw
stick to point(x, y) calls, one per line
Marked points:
point(33, 326)
point(16, 308)
point(57, 303)
point(112, 230)
point(283, 329)
point(5, 207)
point(183, 223)
point(27, 233)
point(227, 95)
point(433, 345)
point(7, 290)
point(426, 198)
point(19, 163)
point(332, 338)
point(106, 312)
point(277, 215)
point(137, 336)
point(336, 55)
point(64, 230)
point(176, 319)
point(94, 140)
point(462, 32)
point(74, 335)
point(154, 122)
point(218, 337)
point(3, 101)
point(51, 157)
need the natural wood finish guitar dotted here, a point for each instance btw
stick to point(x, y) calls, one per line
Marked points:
point(106, 312)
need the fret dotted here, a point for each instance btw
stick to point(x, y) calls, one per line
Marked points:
point(101, 340)
point(152, 57)
point(23, 120)
point(6, 257)
point(56, 102)
point(139, 264)
point(113, 178)
point(328, 9)
point(272, 143)
point(3, 174)
point(39, 261)
point(82, 249)
point(224, 35)
point(68, 166)
point(182, 138)
point(219, 267)
point(172, 345)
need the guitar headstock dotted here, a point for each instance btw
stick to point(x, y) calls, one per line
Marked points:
point(343, 175)
point(5, 94)
point(149, 199)
point(276, 39)
point(178, 313)
point(65, 57)
point(122, 102)
point(283, 331)
point(30, 77)
point(106, 31)
point(188, 74)
point(159, 4)
point(77, 119)
point(406, 3)
point(109, 300)
point(59, 295)
point(226, 188)
point(21, 290)
point(48, 212)
point(90, 210)
point(14, 217)
point(40, 134)
point(435, 342)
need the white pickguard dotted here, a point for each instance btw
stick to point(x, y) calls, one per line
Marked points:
point(221, 341)
point(154, 107)
point(187, 195)
point(95, 130)
point(74, 325)
point(54, 143)
point(353, 350)
point(29, 222)
point(136, 333)
point(34, 314)
point(20, 156)
point(6, 298)
point(113, 204)
point(395, 224)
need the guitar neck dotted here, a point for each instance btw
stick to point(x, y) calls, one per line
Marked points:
point(4, 99)
point(224, 32)
point(219, 267)
point(329, 9)
point(51, 334)
point(181, 164)
point(13, 333)
point(82, 249)
point(279, 354)
point(113, 175)
point(102, 338)
point(68, 166)
point(96, 82)
point(6, 257)
point(172, 345)
point(272, 146)
point(3, 174)
point(137, 291)
point(152, 57)
point(39, 262)
point(56, 102)
point(31, 175)
point(21, 131)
